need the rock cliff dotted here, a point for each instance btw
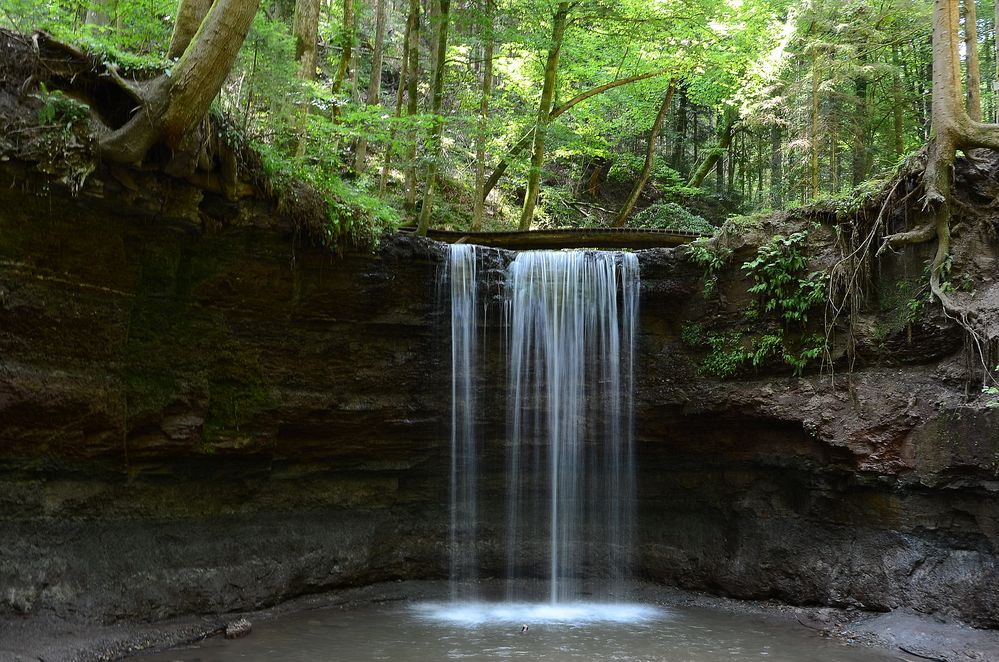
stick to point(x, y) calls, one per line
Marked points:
point(201, 412)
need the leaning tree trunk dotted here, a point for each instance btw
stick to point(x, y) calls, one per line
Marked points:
point(190, 14)
point(724, 140)
point(480, 138)
point(172, 106)
point(544, 109)
point(436, 103)
point(650, 155)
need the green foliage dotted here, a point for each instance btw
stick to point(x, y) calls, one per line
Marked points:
point(59, 109)
point(670, 216)
point(779, 279)
point(713, 259)
point(727, 355)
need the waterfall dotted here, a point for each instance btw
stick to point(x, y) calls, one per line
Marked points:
point(569, 482)
point(462, 272)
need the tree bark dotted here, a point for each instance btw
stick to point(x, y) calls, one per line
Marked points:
point(306, 29)
point(375, 81)
point(724, 140)
point(650, 155)
point(190, 14)
point(480, 139)
point(436, 103)
point(544, 110)
point(973, 65)
point(173, 105)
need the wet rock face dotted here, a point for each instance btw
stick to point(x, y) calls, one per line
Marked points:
point(203, 416)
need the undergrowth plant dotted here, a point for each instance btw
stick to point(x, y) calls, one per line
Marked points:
point(787, 293)
point(712, 258)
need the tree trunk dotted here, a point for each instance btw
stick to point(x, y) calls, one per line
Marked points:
point(346, 46)
point(680, 129)
point(521, 144)
point(173, 105)
point(974, 68)
point(995, 40)
point(861, 124)
point(776, 167)
point(306, 29)
point(480, 139)
point(306, 34)
point(190, 14)
point(375, 81)
point(400, 93)
point(437, 100)
point(412, 102)
point(544, 110)
point(952, 129)
point(814, 129)
point(650, 154)
point(724, 140)
point(897, 109)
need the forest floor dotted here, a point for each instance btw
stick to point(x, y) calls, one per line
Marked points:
point(906, 635)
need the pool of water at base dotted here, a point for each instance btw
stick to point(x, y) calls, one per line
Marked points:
point(428, 632)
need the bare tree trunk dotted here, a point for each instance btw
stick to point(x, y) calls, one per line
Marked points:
point(412, 107)
point(544, 109)
point(974, 68)
point(995, 40)
point(650, 154)
point(375, 81)
point(306, 35)
point(190, 14)
point(400, 93)
point(306, 29)
point(480, 139)
point(173, 105)
point(436, 103)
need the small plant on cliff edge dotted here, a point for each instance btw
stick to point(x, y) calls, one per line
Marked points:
point(993, 393)
point(786, 292)
point(779, 279)
point(711, 258)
